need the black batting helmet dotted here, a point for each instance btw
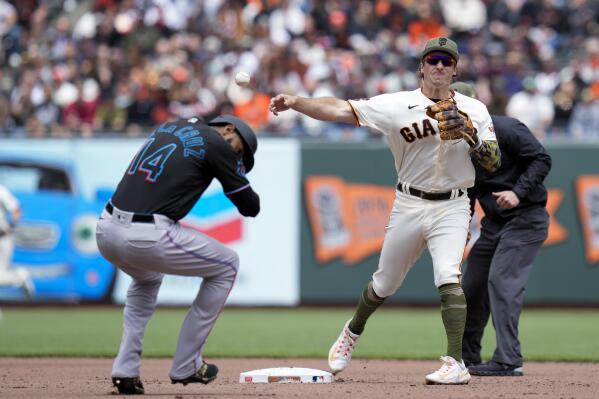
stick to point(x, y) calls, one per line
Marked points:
point(247, 135)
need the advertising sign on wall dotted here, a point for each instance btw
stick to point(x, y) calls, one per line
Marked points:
point(587, 190)
point(347, 220)
point(268, 245)
point(63, 185)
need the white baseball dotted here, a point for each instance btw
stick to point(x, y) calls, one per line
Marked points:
point(242, 78)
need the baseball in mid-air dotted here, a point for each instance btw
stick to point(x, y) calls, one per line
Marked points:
point(242, 78)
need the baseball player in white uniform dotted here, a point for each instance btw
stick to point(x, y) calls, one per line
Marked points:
point(10, 213)
point(431, 206)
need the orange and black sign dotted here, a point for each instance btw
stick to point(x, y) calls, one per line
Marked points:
point(556, 234)
point(347, 220)
point(587, 193)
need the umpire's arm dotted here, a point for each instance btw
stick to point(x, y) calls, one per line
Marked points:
point(519, 140)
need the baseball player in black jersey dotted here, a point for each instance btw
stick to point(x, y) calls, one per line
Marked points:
point(139, 233)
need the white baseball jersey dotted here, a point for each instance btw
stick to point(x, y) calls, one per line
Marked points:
point(422, 159)
point(8, 203)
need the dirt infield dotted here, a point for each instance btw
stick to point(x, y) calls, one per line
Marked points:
point(84, 378)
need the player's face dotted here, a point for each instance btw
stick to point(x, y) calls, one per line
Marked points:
point(231, 136)
point(438, 68)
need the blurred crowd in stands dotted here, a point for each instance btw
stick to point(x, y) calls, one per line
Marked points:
point(80, 68)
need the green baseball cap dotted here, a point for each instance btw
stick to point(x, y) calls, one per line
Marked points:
point(442, 44)
point(463, 88)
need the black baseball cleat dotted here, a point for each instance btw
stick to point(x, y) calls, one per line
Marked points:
point(469, 363)
point(128, 385)
point(204, 375)
point(496, 369)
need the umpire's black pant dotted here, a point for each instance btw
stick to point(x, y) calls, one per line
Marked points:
point(495, 281)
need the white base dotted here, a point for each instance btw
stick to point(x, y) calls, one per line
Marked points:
point(282, 375)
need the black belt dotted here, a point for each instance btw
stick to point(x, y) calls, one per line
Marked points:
point(137, 217)
point(430, 196)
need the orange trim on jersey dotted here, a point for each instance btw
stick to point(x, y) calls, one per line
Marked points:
point(355, 114)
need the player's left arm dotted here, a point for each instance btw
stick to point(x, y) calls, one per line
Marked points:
point(246, 201)
point(12, 205)
point(16, 215)
point(486, 151)
point(487, 155)
point(229, 170)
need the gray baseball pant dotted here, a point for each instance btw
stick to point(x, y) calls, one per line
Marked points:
point(495, 282)
point(147, 251)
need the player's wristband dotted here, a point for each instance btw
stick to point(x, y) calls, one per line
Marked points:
point(478, 144)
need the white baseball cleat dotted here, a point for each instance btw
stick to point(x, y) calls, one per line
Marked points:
point(341, 351)
point(451, 372)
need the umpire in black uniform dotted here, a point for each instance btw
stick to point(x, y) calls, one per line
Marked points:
point(512, 232)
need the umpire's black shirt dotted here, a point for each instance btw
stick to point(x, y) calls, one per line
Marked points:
point(176, 165)
point(524, 166)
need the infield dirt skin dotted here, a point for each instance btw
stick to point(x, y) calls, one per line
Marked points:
point(364, 379)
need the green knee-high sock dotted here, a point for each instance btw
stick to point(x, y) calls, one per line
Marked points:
point(453, 313)
point(369, 302)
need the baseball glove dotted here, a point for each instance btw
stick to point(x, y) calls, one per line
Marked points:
point(453, 123)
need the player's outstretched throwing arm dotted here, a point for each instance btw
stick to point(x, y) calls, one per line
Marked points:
point(328, 109)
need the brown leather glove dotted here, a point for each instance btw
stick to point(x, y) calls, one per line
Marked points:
point(453, 123)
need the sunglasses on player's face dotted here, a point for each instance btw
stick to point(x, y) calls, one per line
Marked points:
point(433, 59)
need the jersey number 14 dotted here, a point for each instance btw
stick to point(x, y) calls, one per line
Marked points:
point(152, 165)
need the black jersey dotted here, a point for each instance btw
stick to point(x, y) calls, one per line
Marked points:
point(175, 166)
point(524, 165)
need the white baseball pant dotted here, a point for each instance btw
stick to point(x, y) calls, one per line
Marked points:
point(415, 223)
point(10, 276)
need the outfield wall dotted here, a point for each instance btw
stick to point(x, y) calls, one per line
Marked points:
point(316, 241)
point(340, 250)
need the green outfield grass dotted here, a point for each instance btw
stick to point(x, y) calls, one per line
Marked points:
point(394, 333)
